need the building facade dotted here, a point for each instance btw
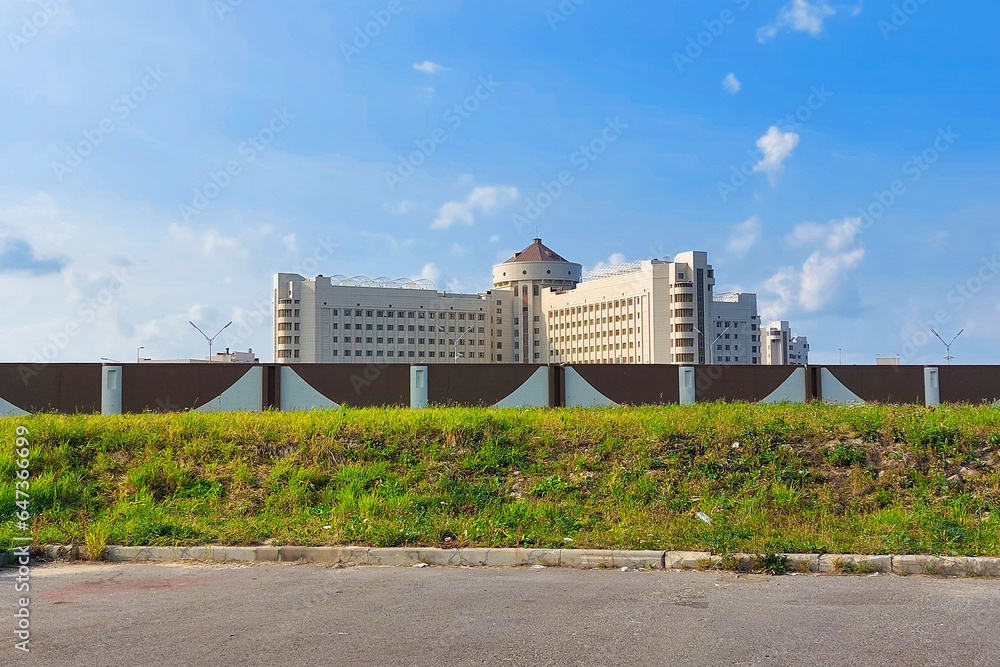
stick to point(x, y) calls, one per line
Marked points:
point(782, 348)
point(541, 309)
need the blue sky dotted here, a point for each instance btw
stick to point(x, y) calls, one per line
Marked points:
point(160, 163)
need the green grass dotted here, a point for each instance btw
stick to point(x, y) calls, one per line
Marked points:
point(815, 478)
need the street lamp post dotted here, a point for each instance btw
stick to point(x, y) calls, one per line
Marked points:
point(947, 346)
point(711, 349)
point(141, 347)
point(210, 340)
point(455, 342)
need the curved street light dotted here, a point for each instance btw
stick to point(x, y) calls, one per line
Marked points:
point(210, 340)
point(947, 346)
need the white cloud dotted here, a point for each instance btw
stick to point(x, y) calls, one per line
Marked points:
point(458, 249)
point(776, 147)
point(800, 16)
point(211, 242)
point(615, 259)
point(122, 287)
point(484, 199)
point(835, 237)
point(430, 272)
point(938, 239)
point(381, 240)
point(401, 208)
point(495, 238)
point(732, 84)
point(823, 276)
point(427, 67)
point(744, 236)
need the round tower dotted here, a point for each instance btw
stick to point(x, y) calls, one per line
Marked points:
point(519, 284)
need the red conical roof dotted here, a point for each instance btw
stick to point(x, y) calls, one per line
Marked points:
point(536, 252)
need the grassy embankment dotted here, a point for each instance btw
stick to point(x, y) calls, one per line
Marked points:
point(801, 478)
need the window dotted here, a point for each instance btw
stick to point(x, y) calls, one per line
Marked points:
point(534, 290)
point(369, 313)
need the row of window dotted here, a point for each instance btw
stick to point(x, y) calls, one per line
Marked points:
point(619, 360)
point(392, 353)
point(719, 324)
point(409, 341)
point(594, 307)
point(574, 324)
point(737, 347)
point(598, 334)
point(409, 327)
point(594, 348)
point(401, 314)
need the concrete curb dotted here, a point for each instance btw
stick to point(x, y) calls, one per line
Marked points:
point(948, 566)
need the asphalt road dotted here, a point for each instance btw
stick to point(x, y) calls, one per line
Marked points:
point(312, 615)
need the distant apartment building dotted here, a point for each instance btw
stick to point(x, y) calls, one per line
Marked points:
point(782, 348)
point(541, 309)
point(735, 330)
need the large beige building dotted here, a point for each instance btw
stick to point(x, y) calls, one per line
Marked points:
point(542, 309)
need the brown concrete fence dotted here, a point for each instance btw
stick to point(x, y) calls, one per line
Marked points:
point(216, 387)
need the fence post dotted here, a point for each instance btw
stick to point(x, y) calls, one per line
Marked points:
point(418, 387)
point(932, 387)
point(685, 379)
point(111, 390)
